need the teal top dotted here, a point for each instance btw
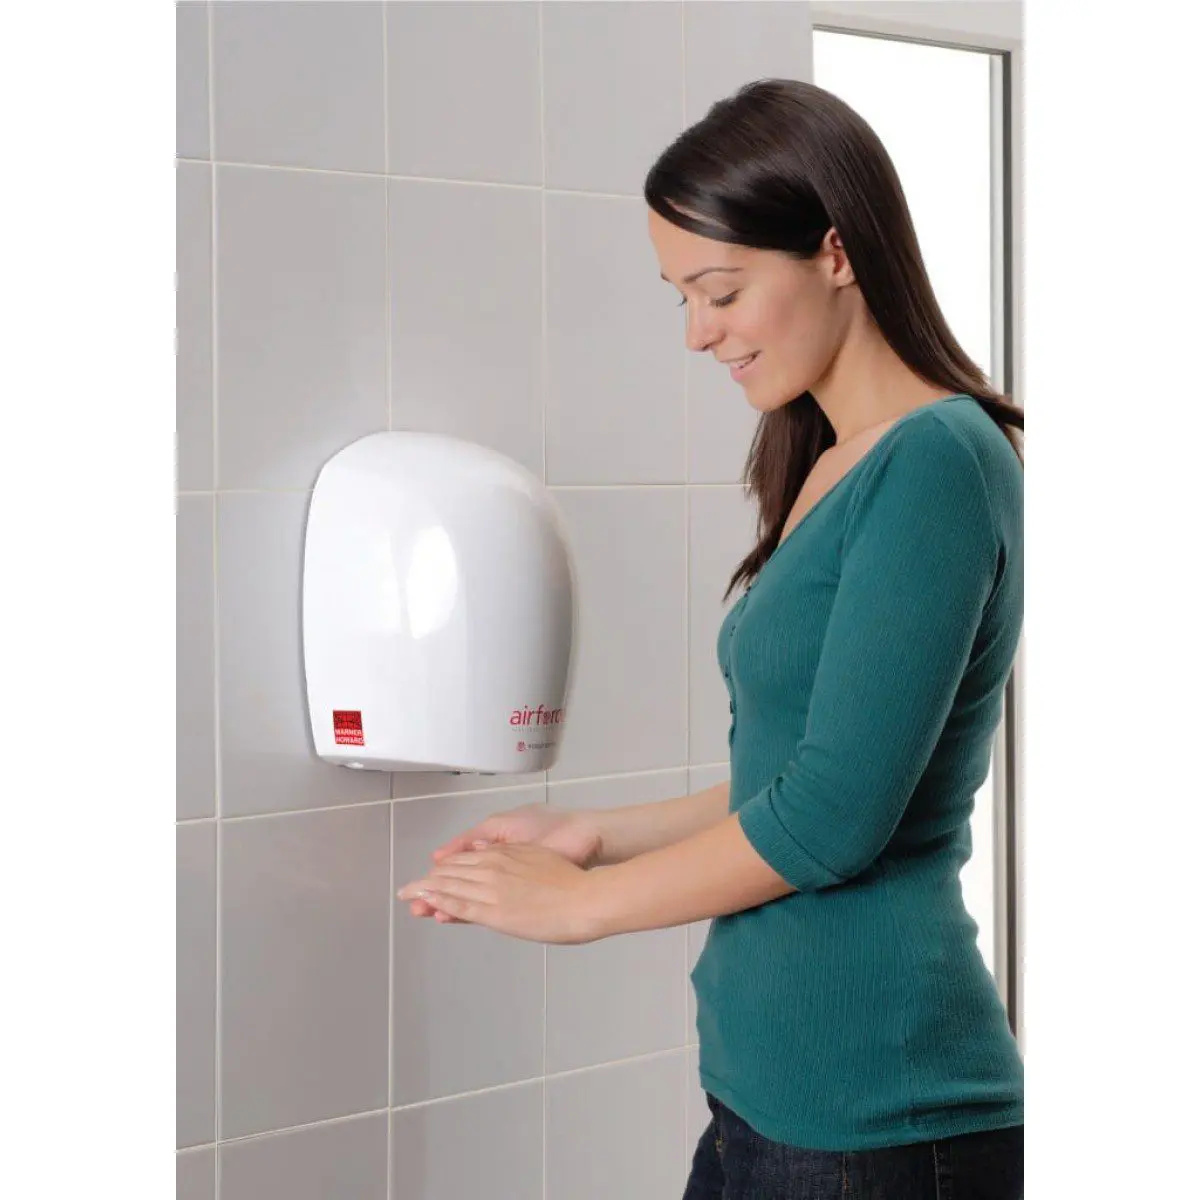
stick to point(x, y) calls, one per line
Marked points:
point(866, 668)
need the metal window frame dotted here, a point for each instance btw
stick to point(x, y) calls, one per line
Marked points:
point(937, 28)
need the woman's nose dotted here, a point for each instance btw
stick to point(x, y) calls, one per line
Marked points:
point(700, 333)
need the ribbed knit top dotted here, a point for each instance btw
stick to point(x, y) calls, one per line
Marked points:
point(866, 668)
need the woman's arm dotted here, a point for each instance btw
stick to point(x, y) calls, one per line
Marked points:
point(919, 560)
point(714, 872)
point(639, 828)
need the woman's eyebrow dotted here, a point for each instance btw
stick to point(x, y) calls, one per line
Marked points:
point(696, 274)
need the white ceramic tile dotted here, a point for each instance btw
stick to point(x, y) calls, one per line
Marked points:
point(705, 776)
point(304, 967)
point(613, 91)
point(730, 43)
point(618, 791)
point(191, 80)
point(699, 778)
point(466, 326)
point(408, 785)
point(195, 719)
point(339, 1160)
point(193, 326)
point(698, 1114)
point(196, 1174)
point(721, 422)
point(467, 1002)
point(476, 67)
point(721, 534)
point(615, 348)
point(196, 982)
point(487, 1145)
point(621, 996)
point(628, 704)
point(301, 321)
point(268, 763)
point(697, 932)
point(299, 85)
point(304, 330)
point(617, 1131)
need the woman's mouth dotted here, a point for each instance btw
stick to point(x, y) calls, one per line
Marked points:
point(739, 370)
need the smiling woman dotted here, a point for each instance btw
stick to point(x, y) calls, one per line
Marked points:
point(829, 294)
point(849, 1030)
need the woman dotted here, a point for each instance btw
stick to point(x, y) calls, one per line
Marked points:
point(852, 1041)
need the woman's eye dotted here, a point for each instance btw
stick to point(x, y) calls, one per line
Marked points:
point(721, 303)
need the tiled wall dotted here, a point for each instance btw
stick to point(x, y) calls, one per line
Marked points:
point(429, 216)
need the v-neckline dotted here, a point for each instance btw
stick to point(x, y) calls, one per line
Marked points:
point(850, 470)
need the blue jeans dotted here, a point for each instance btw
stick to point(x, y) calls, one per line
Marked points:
point(733, 1162)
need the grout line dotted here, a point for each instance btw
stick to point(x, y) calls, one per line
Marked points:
point(387, 268)
point(253, 492)
point(545, 355)
point(354, 806)
point(484, 183)
point(345, 1118)
point(465, 792)
point(557, 487)
point(391, 980)
point(515, 1083)
point(545, 377)
point(687, 593)
point(387, 423)
point(214, 394)
point(324, 1122)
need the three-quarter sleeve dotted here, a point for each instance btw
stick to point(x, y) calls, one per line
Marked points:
point(920, 554)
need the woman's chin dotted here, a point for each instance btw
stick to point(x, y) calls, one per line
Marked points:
point(764, 400)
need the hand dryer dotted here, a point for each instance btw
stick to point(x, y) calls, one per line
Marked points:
point(439, 609)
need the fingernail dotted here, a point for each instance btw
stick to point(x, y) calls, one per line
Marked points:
point(480, 845)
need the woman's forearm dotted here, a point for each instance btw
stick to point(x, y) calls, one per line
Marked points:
point(638, 828)
point(711, 874)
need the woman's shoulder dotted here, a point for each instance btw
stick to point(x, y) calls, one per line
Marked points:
point(949, 453)
point(953, 435)
point(960, 443)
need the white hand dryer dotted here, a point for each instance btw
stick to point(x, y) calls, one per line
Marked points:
point(439, 609)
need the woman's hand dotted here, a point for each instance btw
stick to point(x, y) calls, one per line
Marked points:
point(574, 833)
point(526, 891)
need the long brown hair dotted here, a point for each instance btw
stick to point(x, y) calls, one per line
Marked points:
point(774, 167)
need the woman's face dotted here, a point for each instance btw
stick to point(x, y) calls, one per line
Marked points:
point(792, 315)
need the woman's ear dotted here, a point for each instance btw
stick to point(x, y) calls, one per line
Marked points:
point(841, 272)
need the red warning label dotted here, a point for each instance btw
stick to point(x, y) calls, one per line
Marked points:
point(347, 727)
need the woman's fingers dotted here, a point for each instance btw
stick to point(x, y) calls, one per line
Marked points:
point(462, 843)
point(419, 908)
point(457, 846)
